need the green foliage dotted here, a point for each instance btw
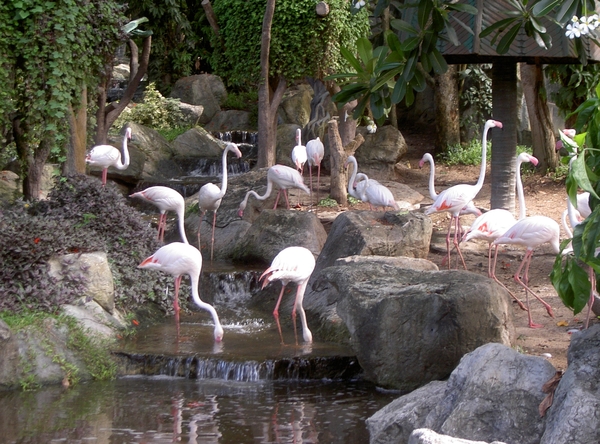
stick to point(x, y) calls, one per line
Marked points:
point(577, 84)
point(79, 216)
point(246, 101)
point(471, 153)
point(477, 96)
point(328, 202)
point(155, 111)
point(302, 44)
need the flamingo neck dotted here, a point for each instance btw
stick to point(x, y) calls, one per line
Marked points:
point(352, 176)
point(570, 208)
point(224, 179)
point(256, 195)
point(432, 192)
point(124, 161)
point(180, 222)
point(479, 183)
point(520, 193)
point(204, 305)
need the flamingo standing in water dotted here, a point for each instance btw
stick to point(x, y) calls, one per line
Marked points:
point(292, 264)
point(494, 223)
point(178, 259)
point(455, 198)
point(166, 199)
point(299, 154)
point(210, 195)
point(105, 156)
point(315, 152)
point(282, 176)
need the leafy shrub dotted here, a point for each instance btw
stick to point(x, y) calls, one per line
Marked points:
point(155, 111)
point(471, 153)
point(79, 216)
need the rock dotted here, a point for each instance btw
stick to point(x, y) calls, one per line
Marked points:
point(573, 416)
point(493, 395)
point(10, 186)
point(207, 90)
point(426, 436)
point(230, 120)
point(197, 143)
point(93, 317)
point(191, 113)
point(96, 271)
point(286, 141)
point(410, 327)
point(380, 152)
point(295, 106)
point(412, 263)
point(275, 230)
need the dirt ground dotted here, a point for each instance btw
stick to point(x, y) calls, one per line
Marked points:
point(544, 196)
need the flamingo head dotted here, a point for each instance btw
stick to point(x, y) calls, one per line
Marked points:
point(218, 333)
point(421, 163)
point(241, 209)
point(234, 149)
point(128, 133)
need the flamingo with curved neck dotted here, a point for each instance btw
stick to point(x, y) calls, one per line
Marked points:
point(210, 195)
point(455, 198)
point(105, 156)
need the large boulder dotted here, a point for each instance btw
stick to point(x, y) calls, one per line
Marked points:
point(427, 436)
point(295, 105)
point(493, 395)
point(573, 416)
point(230, 120)
point(197, 143)
point(410, 327)
point(207, 90)
point(380, 152)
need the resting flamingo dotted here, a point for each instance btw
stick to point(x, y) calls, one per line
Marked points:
point(292, 264)
point(531, 232)
point(166, 199)
point(282, 176)
point(376, 194)
point(352, 191)
point(178, 259)
point(210, 195)
point(315, 152)
point(455, 198)
point(299, 155)
point(494, 223)
point(105, 156)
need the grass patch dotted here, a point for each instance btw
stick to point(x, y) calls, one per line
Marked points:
point(470, 154)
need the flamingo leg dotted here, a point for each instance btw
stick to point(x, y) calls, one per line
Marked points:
point(276, 313)
point(104, 176)
point(162, 224)
point(176, 300)
point(200, 225)
point(277, 199)
point(493, 276)
point(318, 183)
point(212, 241)
point(448, 243)
point(456, 234)
point(287, 202)
point(294, 322)
point(525, 266)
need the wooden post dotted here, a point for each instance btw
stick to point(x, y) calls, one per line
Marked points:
point(210, 15)
point(339, 154)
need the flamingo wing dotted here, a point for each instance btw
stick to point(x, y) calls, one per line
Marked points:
point(103, 156)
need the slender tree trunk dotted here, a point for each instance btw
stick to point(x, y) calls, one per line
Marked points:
point(32, 160)
point(447, 109)
point(385, 26)
point(210, 16)
point(77, 146)
point(338, 157)
point(266, 133)
point(504, 147)
point(542, 133)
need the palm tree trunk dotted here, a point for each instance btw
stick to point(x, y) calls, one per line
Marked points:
point(504, 146)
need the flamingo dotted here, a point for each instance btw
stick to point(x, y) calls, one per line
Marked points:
point(315, 152)
point(376, 194)
point(166, 199)
point(455, 198)
point(352, 191)
point(292, 264)
point(492, 224)
point(531, 232)
point(105, 156)
point(299, 154)
point(178, 259)
point(210, 196)
point(282, 176)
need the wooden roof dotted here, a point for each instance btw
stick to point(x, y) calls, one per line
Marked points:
point(523, 49)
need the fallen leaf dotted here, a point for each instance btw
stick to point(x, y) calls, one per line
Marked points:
point(562, 324)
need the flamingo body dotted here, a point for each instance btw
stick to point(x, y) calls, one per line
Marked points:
point(165, 199)
point(282, 176)
point(315, 152)
point(299, 154)
point(292, 264)
point(105, 156)
point(178, 259)
point(210, 195)
point(376, 194)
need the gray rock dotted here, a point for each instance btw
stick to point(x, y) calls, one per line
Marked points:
point(295, 106)
point(191, 113)
point(207, 90)
point(412, 263)
point(426, 436)
point(198, 143)
point(229, 120)
point(573, 417)
point(380, 152)
point(94, 318)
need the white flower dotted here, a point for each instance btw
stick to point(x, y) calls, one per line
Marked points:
point(593, 22)
point(371, 128)
point(573, 31)
point(584, 27)
point(574, 19)
point(359, 4)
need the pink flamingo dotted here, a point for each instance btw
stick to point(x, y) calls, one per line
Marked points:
point(315, 152)
point(531, 232)
point(494, 223)
point(178, 259)
point(166, 199)
point(282, 176)
point(210, 195)
point(455, 198)
point(105, 156)
point(299, 155)
point(292, 264)
point(376, 194)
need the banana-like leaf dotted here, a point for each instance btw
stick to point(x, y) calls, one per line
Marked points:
point(509, 37)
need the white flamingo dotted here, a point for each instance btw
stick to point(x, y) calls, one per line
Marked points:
point(210, 195)
point(315, 152)
point(166, 199)
point(376, 194)
point(178, 259)
point(105, 156)
point(282, 176)
point(455, 198)
point(299, 154)
point(292, 264)
point(494, 223)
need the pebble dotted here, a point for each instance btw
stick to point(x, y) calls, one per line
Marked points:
point(546, 355)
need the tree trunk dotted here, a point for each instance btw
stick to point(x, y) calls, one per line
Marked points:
point(266, 131)
point(504, 148)
point(210, 16)
point(32, 160)
point(447, 109)
point(77, 146)
point(542, 134)
point(338, 171)
point(386, 18)
point(107, 114)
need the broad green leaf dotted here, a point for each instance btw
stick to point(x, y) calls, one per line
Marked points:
point(567, 10)
point(351, 59)
point(451, 34)
point(399, 91)
point(544, 7)
point(509, 37)
point(424, 12)
point(498, 26)
point(134, 24)
point(580, 174)
point(578, 279)
point(463, 7)
point(438, 62)
point(410, 43)
point(464, 25)
point(409, 97)
point(537, 25)
point(365, 50)
point(403, 26)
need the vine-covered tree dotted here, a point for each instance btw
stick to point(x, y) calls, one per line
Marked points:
point(49, 51)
